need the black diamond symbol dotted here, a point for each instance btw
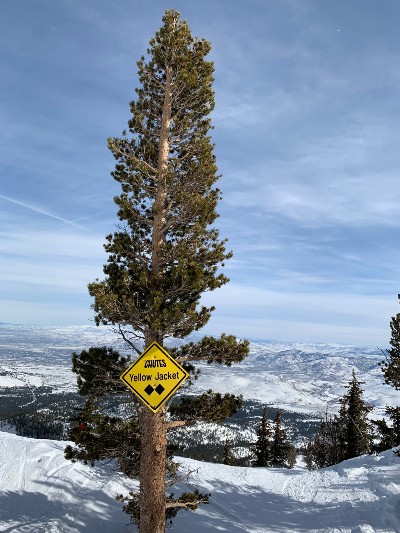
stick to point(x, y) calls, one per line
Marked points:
point(148, 390)
point(160, 389)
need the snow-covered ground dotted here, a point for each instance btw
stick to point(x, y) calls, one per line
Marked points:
point(41, 492)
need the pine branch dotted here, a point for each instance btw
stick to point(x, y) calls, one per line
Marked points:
point(224, 350)
point(133, 158)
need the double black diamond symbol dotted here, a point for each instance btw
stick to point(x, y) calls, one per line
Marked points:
point(159, 389)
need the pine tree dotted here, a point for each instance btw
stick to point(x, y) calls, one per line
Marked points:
point(281, 450)
point(308, 454)
point(353, 420)
point(228, 457)
point(262, 448)
point(345, 436)
point(389, 436)
point(394, 415)
point(161, 259)
point(291, 456)
point(391, 366)
point(325, 449)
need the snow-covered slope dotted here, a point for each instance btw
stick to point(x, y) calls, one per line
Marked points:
point(41, 492)
point(360, 495)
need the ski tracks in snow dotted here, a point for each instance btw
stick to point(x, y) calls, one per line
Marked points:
point(344, 498)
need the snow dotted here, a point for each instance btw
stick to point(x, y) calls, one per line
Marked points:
point(41, 492)
point(358, 495)
point(301, 377)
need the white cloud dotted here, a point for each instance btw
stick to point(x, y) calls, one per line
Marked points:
point(304, 316)
point(34, 262)
point(45, 313)
point(334, 180)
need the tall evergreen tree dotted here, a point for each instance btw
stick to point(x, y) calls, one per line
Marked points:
point(391, 365)
point(166, 253)
point(353, 419)
point(390, 436)
point(262, 447)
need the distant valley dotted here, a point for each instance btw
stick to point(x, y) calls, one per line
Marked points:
point(304, 380)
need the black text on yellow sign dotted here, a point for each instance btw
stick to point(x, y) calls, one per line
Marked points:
point(154, 376)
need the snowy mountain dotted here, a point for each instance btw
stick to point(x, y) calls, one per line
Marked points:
point(306, 378)
point(41, 492)
point(303, 377)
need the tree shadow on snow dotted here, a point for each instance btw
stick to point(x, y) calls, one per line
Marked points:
point(252, 510)
point(32, 511)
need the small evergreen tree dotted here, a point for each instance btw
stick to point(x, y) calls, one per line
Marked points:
point(389, 436)
point(308, 454)
point(394, 416)
point(391, 365)
point(383, 435)
point(165, 254)
point(283, 454)
point(325, 449)
point(228, 457)
point(345, 436)
point(262, 447)
point(291, 456)
point(355, 429)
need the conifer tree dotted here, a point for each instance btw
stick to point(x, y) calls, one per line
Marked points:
point(389, 436)
point(353, 419)
point(165, 254)
point(345, 436)
point(308, 454)
point(391, 365)
point(281, 450)
point(394, 416)
point(325, 449)
point(228, 457)
point(262, 447)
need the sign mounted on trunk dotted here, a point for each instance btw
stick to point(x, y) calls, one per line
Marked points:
point(154, 376)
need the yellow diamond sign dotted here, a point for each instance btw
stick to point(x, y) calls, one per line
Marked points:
point(154, 376)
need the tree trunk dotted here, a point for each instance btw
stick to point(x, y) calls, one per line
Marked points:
point(152, 471)
point(153, 453)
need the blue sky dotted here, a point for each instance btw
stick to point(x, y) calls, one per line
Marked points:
point(307, 141)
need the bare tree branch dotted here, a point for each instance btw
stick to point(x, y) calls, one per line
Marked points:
point(123, 335)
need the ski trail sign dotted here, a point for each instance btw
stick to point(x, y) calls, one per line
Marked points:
point(154, 377)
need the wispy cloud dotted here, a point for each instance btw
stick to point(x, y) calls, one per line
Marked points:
point(44, 212)
point(330, 316)
point(348, 178)
point(306, 140)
